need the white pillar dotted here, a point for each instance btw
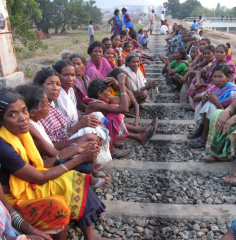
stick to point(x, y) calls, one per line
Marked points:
point(8, 64)
point(227, 29)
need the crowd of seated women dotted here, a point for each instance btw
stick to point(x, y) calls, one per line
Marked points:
point(48, 166)
point(208, 76)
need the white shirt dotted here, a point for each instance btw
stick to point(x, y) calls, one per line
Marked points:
point(162, 17)
point(68, 104)
point(200, 23)
point(90, 30)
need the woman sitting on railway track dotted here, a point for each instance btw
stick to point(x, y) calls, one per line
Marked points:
point(198, 87)
point(97, 66)
point(200, 83)
point(217, 96)
point(59, 129)
point(98, 100)
point(82, 81)
point(175, 70)
point(37, 104)
point(136, 78)
point(66, 102)
point(26, 179)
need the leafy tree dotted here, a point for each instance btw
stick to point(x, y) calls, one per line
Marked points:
point(45, 23)
point(173, 8)
point(188, 7)
point(21, 13)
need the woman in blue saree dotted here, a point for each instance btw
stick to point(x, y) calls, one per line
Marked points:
point(115, 22)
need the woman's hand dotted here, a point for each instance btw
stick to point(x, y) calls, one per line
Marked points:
point(111, 81)
point(222, 120)
point(88, 140)
point(90, 153)
point(228, 124)
point(89, 121)
point(154, 84)
point(35, 234)
point(213, 98)
point(121, 77)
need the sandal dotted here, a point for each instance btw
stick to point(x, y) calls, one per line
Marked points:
point(197, 143)
point(98, 184)
point(103, 174)
point(120, 154)
point(188, 108)
point(224, 182)
point(154, 123)
point(149, 135)
point(212, 159)
point(195, 133)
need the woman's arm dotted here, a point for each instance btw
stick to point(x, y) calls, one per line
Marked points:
point(30, 174)
point(135, 104)
point(80, 104)
point(112, 19)
point(199, 74)
point(122, 108)
point(25, 227)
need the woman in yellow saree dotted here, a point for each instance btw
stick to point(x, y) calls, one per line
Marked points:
point(22, 167)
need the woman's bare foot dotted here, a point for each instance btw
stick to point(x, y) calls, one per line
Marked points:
point(145, 129)
point(102, 216)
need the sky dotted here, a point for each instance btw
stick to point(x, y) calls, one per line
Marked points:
point(206, 3)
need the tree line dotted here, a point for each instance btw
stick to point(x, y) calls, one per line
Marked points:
point(193, 8)
point(28, 15)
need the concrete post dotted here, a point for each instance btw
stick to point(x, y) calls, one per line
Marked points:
point(227, 29)
point(9, 75)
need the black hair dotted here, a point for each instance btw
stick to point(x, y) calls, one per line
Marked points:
point(131, 29)
point(124, 9)
point(126, 43)
point(7, 96)
point(133, 35)
point(32, 94)
point(95, 44)
point(228, 45)
point(225, 48)
point(130, 56)
point(108, 47)
point(115, 72)
point(42, 76)
point(140, 30)
point(194, 20)
point(200, 16)
point(210, 47)
point(114, 35)
point(182, 52)
point(91, 22)
point(207, 40)
point(116, 11)
point(95, 86)
point(105, 39)
point(59, 65)
point(223, 68)
point(122, 32)
point(78, 55)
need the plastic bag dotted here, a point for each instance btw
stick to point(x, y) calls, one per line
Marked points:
point(183, 94)
point(104, 156)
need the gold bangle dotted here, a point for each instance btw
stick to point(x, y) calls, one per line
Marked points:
point(65, 168)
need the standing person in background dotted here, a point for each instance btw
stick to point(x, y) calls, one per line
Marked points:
point(152, 21)
point(162, 16)
point(126, 18)
point(91, 32)
point(200, 22)
point(167, 24)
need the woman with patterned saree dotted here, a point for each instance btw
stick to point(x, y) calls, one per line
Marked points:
point(25, 179)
